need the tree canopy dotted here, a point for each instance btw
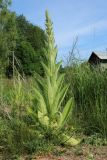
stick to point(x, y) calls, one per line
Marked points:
point(4, 3)
point(25, 40)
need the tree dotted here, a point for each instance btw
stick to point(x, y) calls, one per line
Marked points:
point(4, 3)
point(28, 61)
point(34, 36)
point(8, 32)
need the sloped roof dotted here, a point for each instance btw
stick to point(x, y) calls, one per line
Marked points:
point(101, 55)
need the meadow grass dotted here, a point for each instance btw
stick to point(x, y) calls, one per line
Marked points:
point(88, 85)
point(21, 133)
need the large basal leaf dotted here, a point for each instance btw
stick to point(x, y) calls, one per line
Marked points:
point(70, 140)
point(65, 113)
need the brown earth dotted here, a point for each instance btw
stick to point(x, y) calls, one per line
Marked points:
point(86, 152)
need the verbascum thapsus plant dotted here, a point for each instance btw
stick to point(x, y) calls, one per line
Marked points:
point(51, 90)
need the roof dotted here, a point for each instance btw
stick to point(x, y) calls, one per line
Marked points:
point(101, 55)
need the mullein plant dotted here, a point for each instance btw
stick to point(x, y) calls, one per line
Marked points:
point(50, 90)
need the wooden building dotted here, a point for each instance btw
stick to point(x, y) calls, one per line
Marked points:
point(98, 59)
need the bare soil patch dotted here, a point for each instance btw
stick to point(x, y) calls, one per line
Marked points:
point(86, 152)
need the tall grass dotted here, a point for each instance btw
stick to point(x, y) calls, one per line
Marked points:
point(89, 87)
point(19, 132)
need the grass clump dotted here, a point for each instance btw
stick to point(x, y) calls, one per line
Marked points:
point(88, 86)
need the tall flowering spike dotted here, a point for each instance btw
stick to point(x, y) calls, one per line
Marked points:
point(50, 90)
point(49, 30)
point(51, 49)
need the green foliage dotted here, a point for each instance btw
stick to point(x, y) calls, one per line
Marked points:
point(24, 39)
point(50, 90)
point(33, 34)
point(18, 131)
point(27, 57)
point(96, 140)
point(4, 3)
point(89, 90)
point(8, 36)
point(34, 112)
point(8, 32)
point(30, 39)
point(5, 134)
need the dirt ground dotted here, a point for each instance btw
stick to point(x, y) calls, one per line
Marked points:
point(86, 152)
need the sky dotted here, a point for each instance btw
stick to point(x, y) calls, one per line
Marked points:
point(84, 20)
